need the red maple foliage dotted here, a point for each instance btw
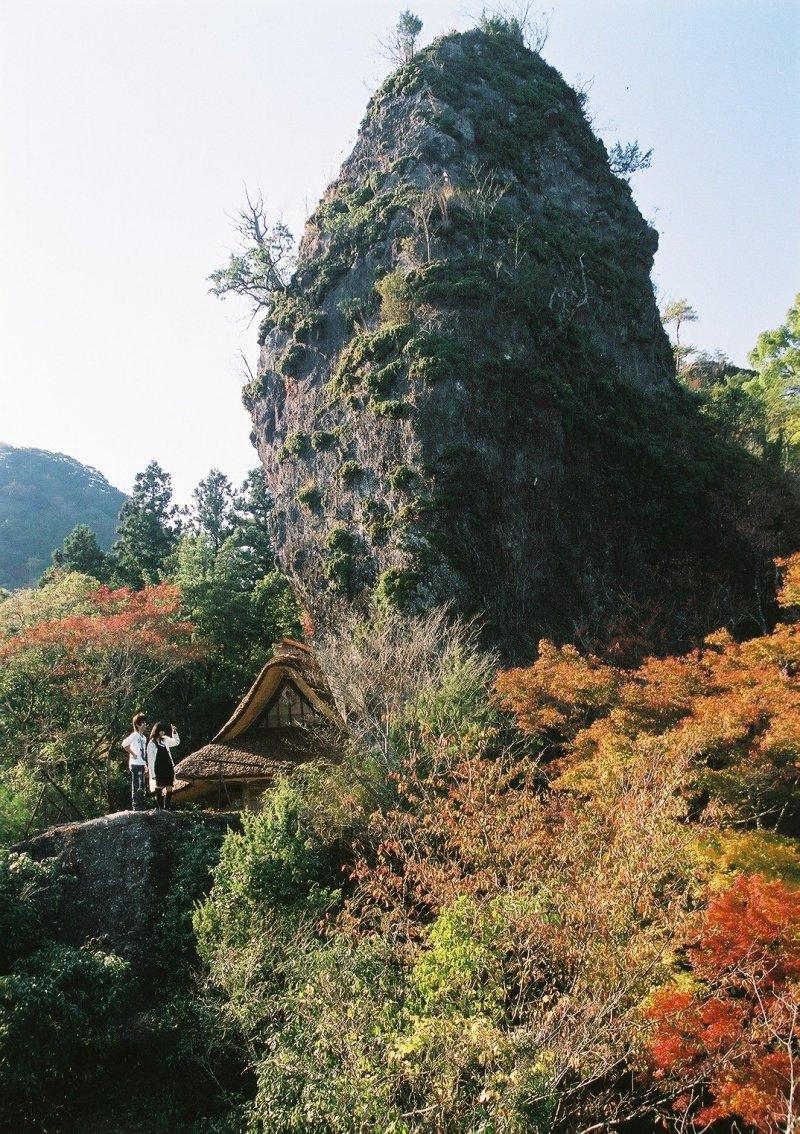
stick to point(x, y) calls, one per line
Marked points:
point(729, 1041)
point(120, 618)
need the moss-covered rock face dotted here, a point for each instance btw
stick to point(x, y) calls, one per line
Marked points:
point(473, 306)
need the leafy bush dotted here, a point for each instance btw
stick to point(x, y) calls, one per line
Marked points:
point(329, 1068)
point(391, 407)
point(58, 1005)
point(724, 1037)
point(401, 477)
point(295, 445)
point(395, 297)
point(322, 439)
point(350, 472)
point(396, 586)
point(57, 1012)
point(29, 893)
point(291, 361)
point(271, 864)
point(352, 310)
point(293, 314)
point(195, 854)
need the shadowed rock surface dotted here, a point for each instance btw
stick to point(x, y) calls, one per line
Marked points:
point(116, 873)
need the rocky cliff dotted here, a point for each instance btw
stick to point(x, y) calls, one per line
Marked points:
point(466, 395)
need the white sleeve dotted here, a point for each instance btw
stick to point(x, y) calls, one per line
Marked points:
point(128, 741)
point(172, 741)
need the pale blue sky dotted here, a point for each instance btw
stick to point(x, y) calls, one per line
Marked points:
point(129, 127)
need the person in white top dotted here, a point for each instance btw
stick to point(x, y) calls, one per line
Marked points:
point(136, 746)
point(160, 764)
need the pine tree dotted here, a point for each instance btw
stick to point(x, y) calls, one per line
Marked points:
point(81, 552)
point(214, 508)
point(148, 528)
point(255, 506)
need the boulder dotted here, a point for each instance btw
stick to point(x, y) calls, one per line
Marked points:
point(118, 873)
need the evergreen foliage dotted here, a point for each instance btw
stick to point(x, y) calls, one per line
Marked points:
point(82, 553)
point(148, 528)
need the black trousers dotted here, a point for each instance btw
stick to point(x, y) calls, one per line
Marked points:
point(138, 798)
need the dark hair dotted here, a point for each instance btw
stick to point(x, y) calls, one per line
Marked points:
point(155, 730)
point(138, 718)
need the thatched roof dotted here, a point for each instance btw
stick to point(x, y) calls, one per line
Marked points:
point(255, 757)
point(239, 751)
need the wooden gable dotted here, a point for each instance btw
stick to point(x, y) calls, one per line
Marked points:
point(287, 708)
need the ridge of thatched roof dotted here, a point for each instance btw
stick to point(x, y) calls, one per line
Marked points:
point(291, 659)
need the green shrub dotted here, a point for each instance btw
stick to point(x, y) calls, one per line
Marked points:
point(460, 972)
point(331, 1070)
point(396, 306)
point(195, 854)
point(57, 1012)
point(350, 472)
point(322, 439)
point(339, 570)
point(435, 357)
point(252, 391)
point(401, 477)
point(396, 586)
point(363, 352)
point(310, 495)
point(291, 361)
point(271, 865)
point(352, 310)
point(380, 382)
point(29, 893)
point(293, 314)
point(295, 445)
point(340, 538)
point(391, 407)
point(339, 566)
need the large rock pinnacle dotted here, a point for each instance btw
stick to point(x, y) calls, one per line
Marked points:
point(466, 395)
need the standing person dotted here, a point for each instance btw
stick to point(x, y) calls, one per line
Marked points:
point(160, 764)
point(136, 747)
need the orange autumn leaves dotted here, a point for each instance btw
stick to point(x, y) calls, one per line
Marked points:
point(110, 619)
point(727, 716)
point(789, 594)
point(724, 720)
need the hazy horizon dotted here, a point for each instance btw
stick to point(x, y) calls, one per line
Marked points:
point(130, 128)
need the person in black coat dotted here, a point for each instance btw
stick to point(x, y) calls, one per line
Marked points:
point(160, 764)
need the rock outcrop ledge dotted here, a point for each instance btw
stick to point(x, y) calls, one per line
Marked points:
point(115, 874)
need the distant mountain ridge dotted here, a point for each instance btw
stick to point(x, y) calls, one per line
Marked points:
point(43, 495)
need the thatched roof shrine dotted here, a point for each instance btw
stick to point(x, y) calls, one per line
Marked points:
point(286, 718)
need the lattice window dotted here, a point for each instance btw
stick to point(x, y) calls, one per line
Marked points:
point(288, 707)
